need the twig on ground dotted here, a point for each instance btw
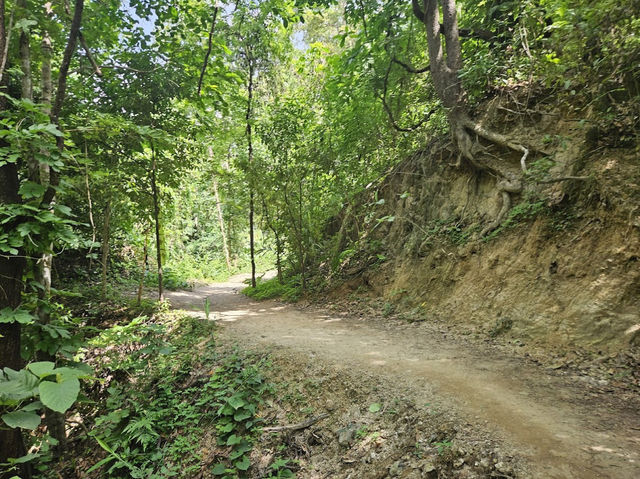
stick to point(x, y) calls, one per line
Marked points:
point(297, 427)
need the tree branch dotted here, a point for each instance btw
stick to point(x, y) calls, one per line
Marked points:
point(209, 47)
point(66, 61)
point(417, 10)
point(4, 47)
point(383, 97)
point(129, 69)
point(87, 51)
point(83, 42)
point(485, 35)
point(69, 50)
point(409, 68)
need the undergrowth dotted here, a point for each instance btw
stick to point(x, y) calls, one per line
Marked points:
point(176, 406)
point(289, 290)
point(519, 214)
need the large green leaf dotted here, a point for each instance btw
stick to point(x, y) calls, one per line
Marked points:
point(8, 315)
point(42, 369)
point(17, 386)
point(236, 401)
point(22, 419)
point(31, 189)
point(59, 396)
point(219, 470)
point(243, 464)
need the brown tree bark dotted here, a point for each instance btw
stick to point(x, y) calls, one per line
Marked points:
point(250, 160)
point(156, 218)
point(11, 271)
point(223, 233)
point(105, 245)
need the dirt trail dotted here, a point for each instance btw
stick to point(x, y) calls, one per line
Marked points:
point(546, 418)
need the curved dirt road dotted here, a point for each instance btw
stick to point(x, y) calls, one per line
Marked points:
point(544, 417)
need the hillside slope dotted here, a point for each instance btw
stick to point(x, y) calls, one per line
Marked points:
point(561, 271)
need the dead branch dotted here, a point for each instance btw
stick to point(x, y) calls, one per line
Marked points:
point(297, 427)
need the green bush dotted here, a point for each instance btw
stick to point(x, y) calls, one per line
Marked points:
point(289, 290)
point(152, 424)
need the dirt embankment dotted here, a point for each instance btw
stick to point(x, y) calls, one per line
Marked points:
point(562, 272)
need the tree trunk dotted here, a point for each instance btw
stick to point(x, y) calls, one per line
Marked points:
point(251, 189)
point(303, 263)
point(143, 269)
point(223, 233)
point(296, 224)
point(105, 245)
point(156, 218)
point(445, 74)
point(90, 204)
point(11, 271)
point(277, 237)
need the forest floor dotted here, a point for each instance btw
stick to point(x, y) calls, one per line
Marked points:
point(500, 413)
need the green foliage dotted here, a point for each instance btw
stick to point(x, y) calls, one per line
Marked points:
point(289, 290)
point(452, 230)
point(538, 170)
point(443, 446)
point(170, 393)
point(41, 384)
point(520, 214)
point(170, 279)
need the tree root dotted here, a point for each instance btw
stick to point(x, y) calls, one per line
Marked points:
point(505, 189)
point(508, 183)
point(498, 139)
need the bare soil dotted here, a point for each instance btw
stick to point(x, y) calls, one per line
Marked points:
point(504, 408)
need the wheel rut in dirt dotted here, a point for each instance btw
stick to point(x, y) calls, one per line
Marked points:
point(544, 417)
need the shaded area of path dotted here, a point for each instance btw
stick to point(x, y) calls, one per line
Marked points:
point(546, 418)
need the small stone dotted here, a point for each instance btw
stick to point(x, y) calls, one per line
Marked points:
point(394, 469)
point(428, 467)
point(346, 435)
point(503, 468)
point(429, 471)
point(458, 462)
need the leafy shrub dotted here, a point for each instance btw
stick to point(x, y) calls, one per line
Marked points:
point(170, 280)
point(289, 290)
point(154, 425)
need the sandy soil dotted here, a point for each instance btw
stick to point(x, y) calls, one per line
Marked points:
point(550, 420)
